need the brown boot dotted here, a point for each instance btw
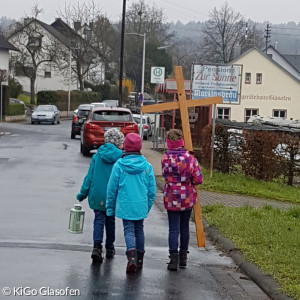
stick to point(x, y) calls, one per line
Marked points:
point(182, 258)
point(140, 256)
point(173, 264)
point(132, 261)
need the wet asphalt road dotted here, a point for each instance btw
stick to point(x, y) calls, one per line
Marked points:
point(41, 171)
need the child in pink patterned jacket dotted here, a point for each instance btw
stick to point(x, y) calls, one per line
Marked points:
point(182, 173)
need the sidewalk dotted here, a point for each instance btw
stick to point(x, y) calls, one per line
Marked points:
point(266, 283)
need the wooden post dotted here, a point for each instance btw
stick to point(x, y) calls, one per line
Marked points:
point(183, 105)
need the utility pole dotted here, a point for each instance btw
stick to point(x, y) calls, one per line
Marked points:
point(267, 36)
point(122, 53)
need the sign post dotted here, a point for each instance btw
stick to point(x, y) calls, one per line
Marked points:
point(183, 106)
point(3, 80)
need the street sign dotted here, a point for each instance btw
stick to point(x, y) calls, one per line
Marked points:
point(214, 81)
point(157, 75)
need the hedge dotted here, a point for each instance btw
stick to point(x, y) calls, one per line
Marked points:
point(15, 109)
point(60, 98)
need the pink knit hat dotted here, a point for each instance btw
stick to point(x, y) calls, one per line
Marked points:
point(132, 143)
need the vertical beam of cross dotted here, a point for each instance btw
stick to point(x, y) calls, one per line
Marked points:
point(189, 146)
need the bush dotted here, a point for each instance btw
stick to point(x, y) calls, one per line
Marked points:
point(15, 109)
point(15, 88)
point(60, 98)
point(47, 97)
point(259, 160)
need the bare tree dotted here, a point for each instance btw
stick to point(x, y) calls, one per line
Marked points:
point(91, 41)
point(143, 19)
point(36, 48)
point(222, 34)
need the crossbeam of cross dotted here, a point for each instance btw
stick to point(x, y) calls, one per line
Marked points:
point(183, 106)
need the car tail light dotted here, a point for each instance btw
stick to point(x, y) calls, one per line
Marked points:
point(132, 127)
point(89, 126)
point(75, 119)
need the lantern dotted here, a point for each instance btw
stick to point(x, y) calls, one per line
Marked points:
point(76, 219)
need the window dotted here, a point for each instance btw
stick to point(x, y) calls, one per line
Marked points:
point(279, 113)
point(47, 74)
point(21, 70)
point(249, 112)
point(223, 113)
point(34, 41)
point(258, 78)
point(248, 78)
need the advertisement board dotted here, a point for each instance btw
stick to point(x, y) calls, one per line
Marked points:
point(212, 81)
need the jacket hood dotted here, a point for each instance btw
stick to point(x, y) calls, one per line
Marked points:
point(133, 164)
point(177, 160)
point(109, 153)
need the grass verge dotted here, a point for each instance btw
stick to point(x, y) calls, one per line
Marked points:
point(242, 185)
point(25, 98)
point(267, 237)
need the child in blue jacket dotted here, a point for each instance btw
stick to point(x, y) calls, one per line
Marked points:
point(130, 195)
point(94, 187)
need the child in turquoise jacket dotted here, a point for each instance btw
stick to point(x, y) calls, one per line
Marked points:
point(130, 195)
point(94, 187)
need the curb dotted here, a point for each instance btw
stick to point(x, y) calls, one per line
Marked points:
point(265, 282)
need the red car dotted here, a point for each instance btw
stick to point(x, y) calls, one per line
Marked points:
point(101, 119)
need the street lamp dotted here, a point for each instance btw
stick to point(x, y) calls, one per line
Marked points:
point(143, 79)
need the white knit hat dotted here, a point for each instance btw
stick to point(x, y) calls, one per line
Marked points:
point(114, 136)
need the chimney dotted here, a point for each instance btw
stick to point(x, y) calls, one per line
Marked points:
point(77, 25)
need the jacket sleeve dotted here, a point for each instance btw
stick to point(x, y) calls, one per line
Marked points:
point(197, 176)
point(112, 191)
point(151, 188)
point(85, 188)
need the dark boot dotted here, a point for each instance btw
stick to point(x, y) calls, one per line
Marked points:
point(97, 255)
point(182, 258)
point(140, 256)
point(110, 253)
point(173, 264)
point(132, 261)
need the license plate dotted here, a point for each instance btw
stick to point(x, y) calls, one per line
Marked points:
point(106, 128)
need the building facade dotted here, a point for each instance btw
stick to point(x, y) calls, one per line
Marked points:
point(270, 87)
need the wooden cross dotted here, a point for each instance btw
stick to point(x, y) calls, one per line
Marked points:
point(183, 106)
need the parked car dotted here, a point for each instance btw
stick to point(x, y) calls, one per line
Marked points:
point(147, 130)
point(99, 104)
point(45, 114)
point(111, 103)
point(13, 100)
point(101, 119)
point(79, 119)
point(283, 151)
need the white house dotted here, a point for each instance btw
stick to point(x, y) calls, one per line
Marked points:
point(52, 42)
point(5, 47)
point(270, 87)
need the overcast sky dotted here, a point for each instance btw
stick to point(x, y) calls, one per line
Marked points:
point(273, 11)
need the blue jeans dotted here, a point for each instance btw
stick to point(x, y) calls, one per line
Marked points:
point(101, 220)
point(134, 234)
point(179, 222)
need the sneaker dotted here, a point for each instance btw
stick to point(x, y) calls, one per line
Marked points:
point(110, 253)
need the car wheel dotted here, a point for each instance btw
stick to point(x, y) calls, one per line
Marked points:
point(53, 121)
point(72, 135)
point(32, 122)
point(85, 150)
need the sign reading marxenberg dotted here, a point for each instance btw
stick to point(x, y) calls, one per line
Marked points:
point(213, 81)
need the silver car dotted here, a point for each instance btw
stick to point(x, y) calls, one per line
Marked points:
point(147, 124)
point(45, 114)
